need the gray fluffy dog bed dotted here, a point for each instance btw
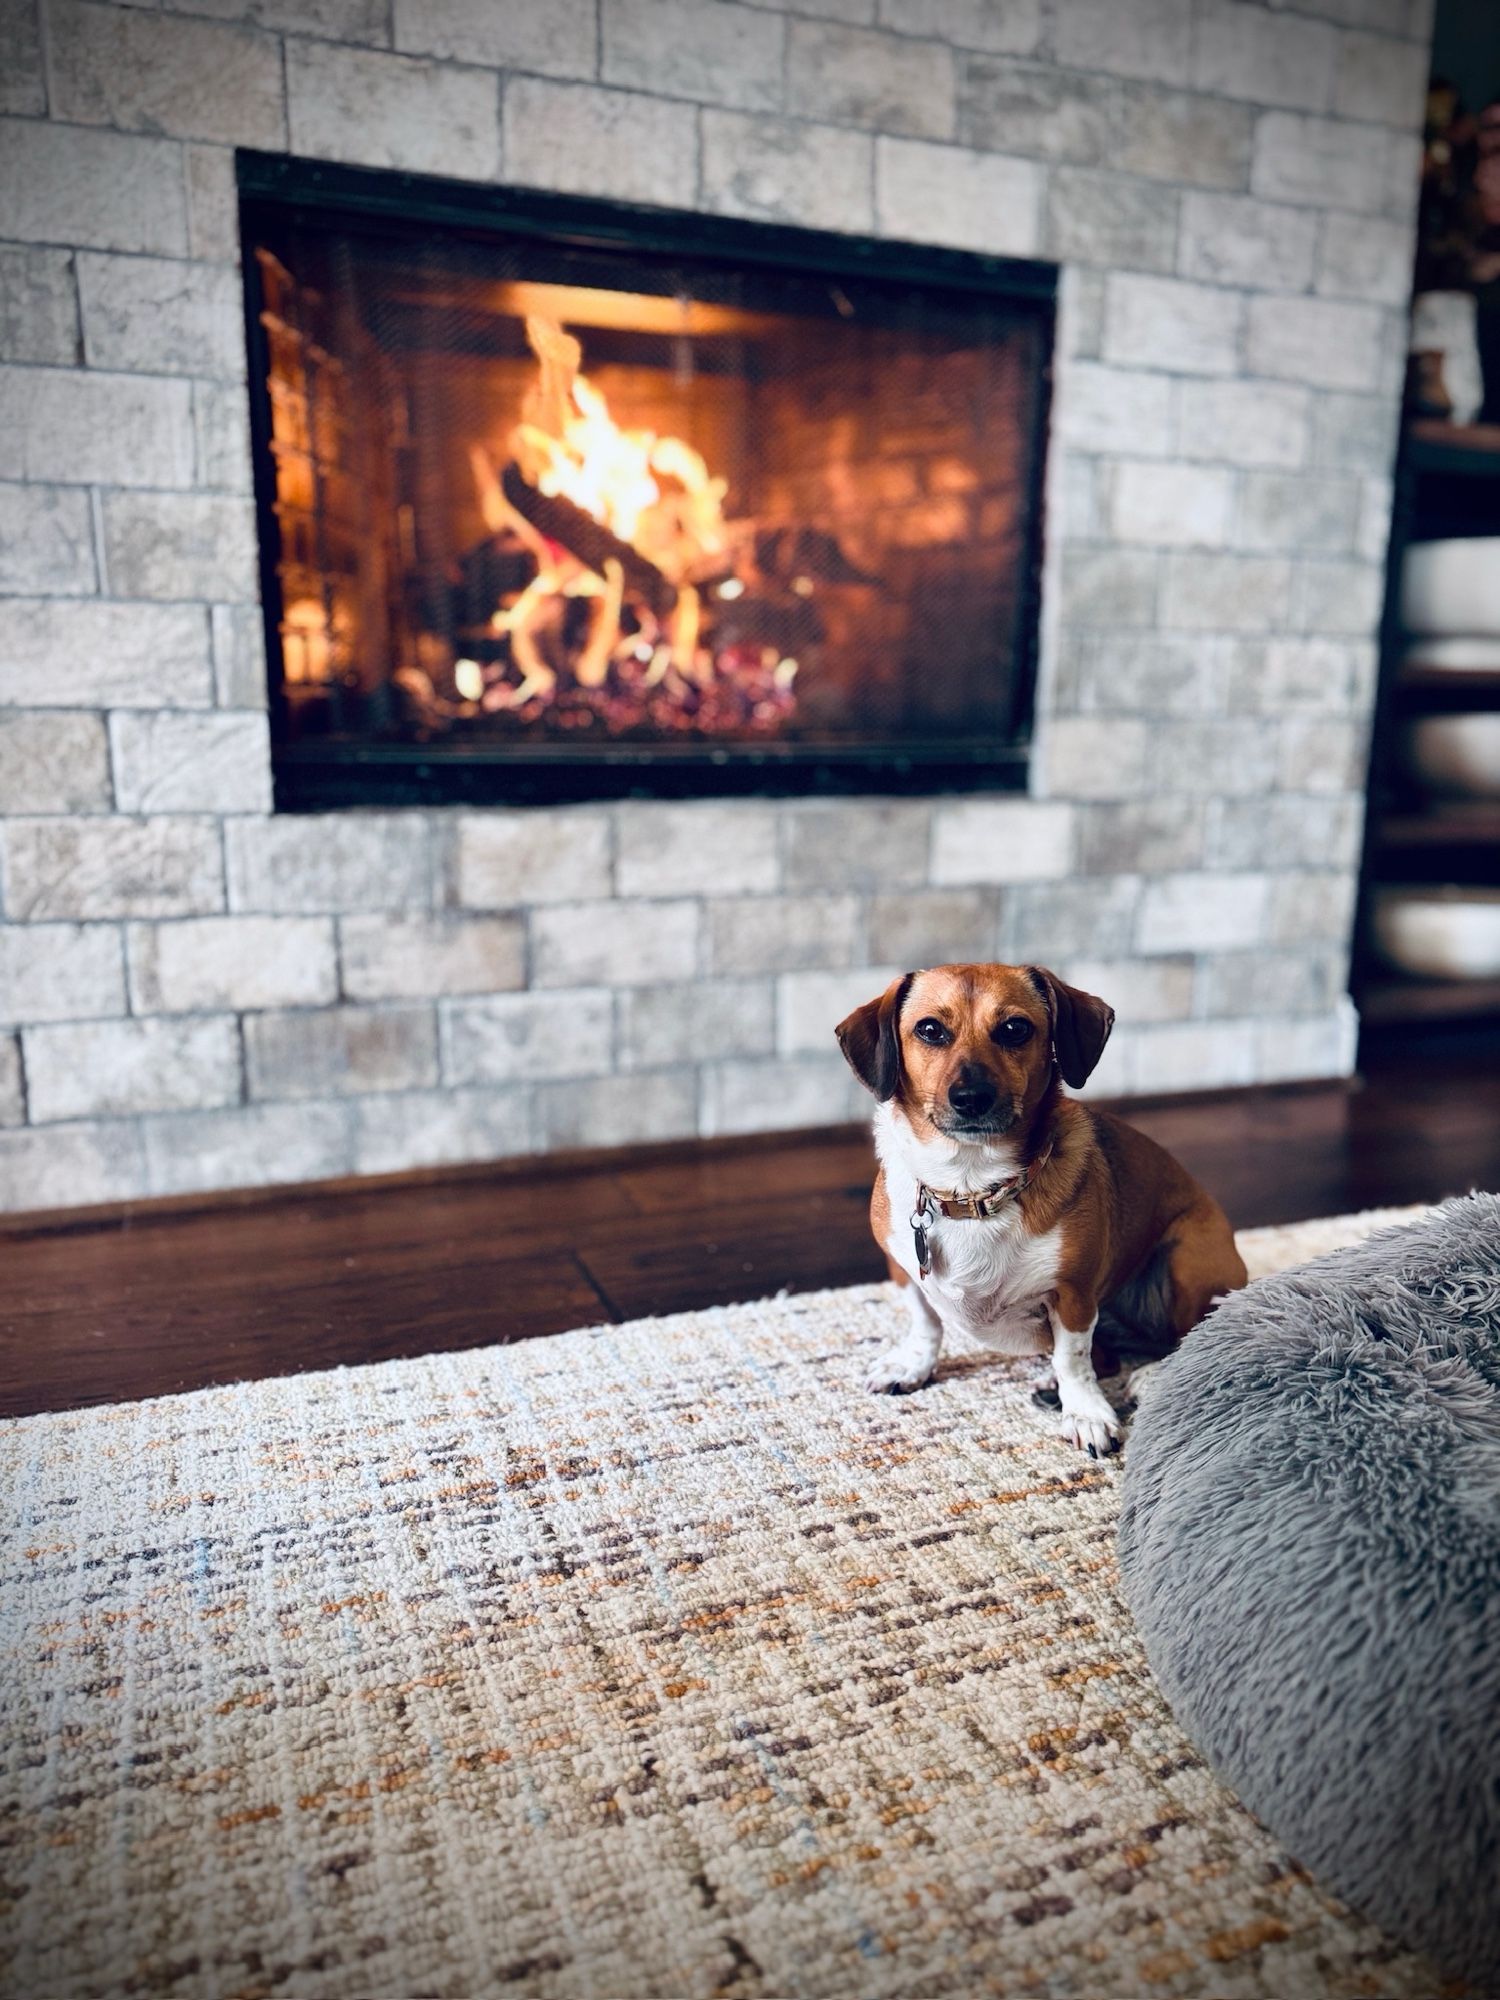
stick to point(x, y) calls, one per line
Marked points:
point(1310, 1541)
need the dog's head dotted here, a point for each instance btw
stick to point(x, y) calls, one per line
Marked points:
point(968, 1051)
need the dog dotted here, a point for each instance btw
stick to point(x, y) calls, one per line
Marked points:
point(1011, 1212)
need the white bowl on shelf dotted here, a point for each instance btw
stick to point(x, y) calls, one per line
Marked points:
point(1452, 586)
point(1458, 755)
point(1463, 653)
point(1440, 933)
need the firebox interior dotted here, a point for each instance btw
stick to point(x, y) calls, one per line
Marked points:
point(558, 501)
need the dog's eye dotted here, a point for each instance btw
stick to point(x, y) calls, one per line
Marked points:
point(928, 1030)
point(1012, 1033)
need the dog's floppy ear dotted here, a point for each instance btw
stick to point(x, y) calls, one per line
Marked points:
point(1080, 1025)
point(871, 1040)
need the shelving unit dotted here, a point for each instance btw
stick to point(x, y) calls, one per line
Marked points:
point(1447, 480)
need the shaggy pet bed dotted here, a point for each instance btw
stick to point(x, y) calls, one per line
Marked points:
point(1310, 1541)
point(642, 1660)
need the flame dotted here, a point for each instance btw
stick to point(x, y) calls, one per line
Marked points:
point(654, 492)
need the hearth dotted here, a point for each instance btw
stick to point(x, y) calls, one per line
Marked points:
point(563, 499)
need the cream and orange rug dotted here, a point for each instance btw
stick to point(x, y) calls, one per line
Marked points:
point(644, 1660)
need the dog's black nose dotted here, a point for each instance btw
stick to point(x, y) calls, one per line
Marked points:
point(971, 1096)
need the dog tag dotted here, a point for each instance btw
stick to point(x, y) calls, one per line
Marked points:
point(919, 1239)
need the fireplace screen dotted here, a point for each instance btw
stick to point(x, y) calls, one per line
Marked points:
point(557, 501)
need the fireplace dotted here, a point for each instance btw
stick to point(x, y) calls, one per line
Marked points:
point(562, 499)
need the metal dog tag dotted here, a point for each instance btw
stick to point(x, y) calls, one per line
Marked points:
point(919, 1239)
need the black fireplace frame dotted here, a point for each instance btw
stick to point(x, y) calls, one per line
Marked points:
point(319, 775)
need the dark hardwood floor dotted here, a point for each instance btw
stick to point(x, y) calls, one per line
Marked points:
point(104, 1304)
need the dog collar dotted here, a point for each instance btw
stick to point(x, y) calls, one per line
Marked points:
point(976, 1207)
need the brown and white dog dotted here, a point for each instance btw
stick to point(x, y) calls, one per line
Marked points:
point(1012, 1213)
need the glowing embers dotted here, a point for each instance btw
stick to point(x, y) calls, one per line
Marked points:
point(611, 593)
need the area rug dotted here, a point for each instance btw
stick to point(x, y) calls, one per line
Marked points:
point(655, 1659)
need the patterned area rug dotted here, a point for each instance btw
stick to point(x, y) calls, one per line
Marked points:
point(644, 1660)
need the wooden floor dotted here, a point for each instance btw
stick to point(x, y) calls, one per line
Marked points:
point(102, 1305)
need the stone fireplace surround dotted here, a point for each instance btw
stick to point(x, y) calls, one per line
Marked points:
point(196, 993)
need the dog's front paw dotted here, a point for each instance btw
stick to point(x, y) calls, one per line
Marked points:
point(900, 1370)
point(1092, 1424)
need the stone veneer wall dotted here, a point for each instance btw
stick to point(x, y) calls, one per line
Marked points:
point(195, 993)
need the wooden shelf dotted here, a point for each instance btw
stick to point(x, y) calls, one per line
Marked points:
point(1483, 683)
point(1471, 449)
point(1446, 826)
point(1385, 1002)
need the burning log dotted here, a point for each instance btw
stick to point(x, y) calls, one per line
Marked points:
point(587, 539)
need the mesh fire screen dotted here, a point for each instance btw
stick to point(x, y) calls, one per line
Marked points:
point(556, 502)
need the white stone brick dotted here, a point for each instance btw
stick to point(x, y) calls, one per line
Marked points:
point(76, 426)
point(71, 1166)
point(554, 37)
point(1324, 753)
point(181, 545)
point(1320, 162)
point(46, 539)
point(1226, 593)
point(23, 86)
point(1130, 673)
point(82, 868)
point(1313, 513)
point(1337, 597)
point(714, 53)
point(810, 1005)
point(1080, 313)
point(247, 1145)
point(339, 863)
point(919, 927)
point(702, 1021)
point(1328, 343)
point(333, 20)
point(53, 763)
point(340, 1051)
point(436, 1128)
point(1102, 218)
point(1165, 323)
point(38, 306)
point(778, 1096)
point(1369, 260)
point(12, 1089)
point(1001, 840)
point(379, 110)
point(55, 653)
point(1292, 676)
point(1315, 907)
point(1286, 983)
point(415, 957)
point(1110, 587)
point(1285, 831)
point(1265, 56)
point(60, 972)
point(1044, 922)
point(750, 934)
point(621, 943)
point(213, 218)
point(90, 1069)
point(703, 848)
point(232, 963)
point(505, 860)
point(148, 73)
point(891, 83)
point(1245, 423)
point(1213, 755)
point(1382, 80)
point(161, 316)
point(1169, 505)
point(1003, 27)
point(214, 762)
point(1230, 239)
point(857, 844)
point(775, 170)
point(1101, 409)
point(1373, 535)
point(239, 656)
point(1203, 912)
point(1140, 990)
point(221, 437)
point(617, 1110)
point(523, 1037)
point(856, 13)
point(1094, 756)
point(1040, 111)
point(64, 185)
point(1308, 1050)
point(582, 140)
point(943, 194)
point(1151, 835)
point(1195, 1055)
point(1356, 432)
point(1141, 38)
